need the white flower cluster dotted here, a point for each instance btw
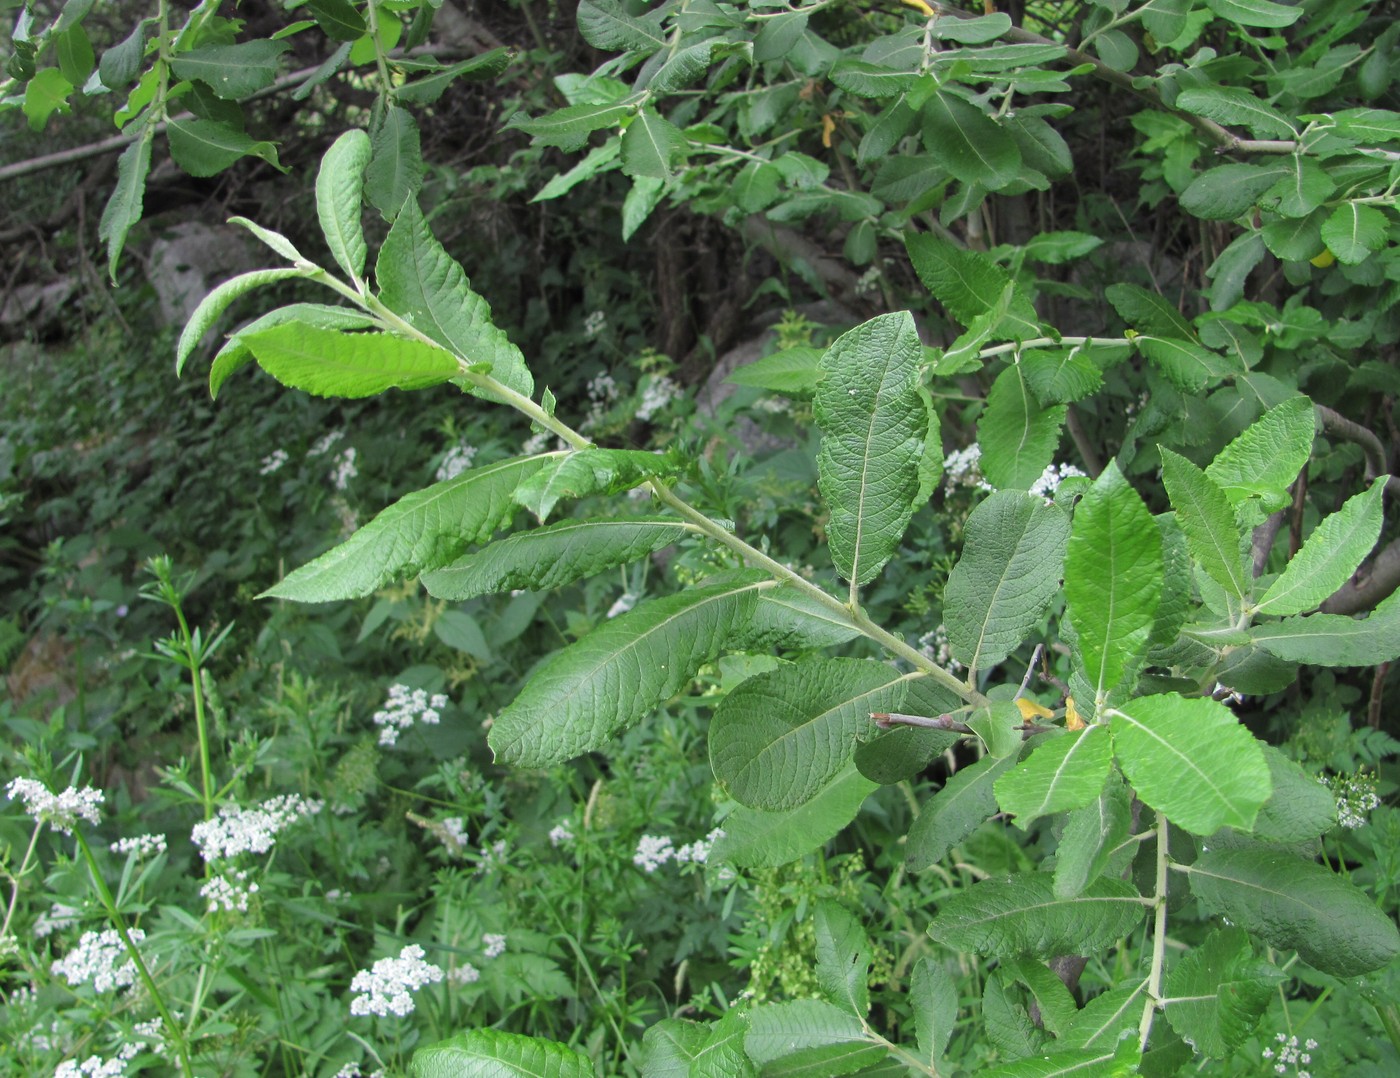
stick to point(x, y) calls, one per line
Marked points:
point(99, 958)
point(539, 443)
point(59, 811)
point(466, 973)
point(385, 989)
point(1356, 797)
point(1291, 1054)
point(560, 834)
point(455, 461)
point(658, 393)
point(653, 851)
point(273, 462)
point(405, 707)
point(140, 845)
point(352, 1070)
point(96, 1066)
point(962, 468)
point(344, 469)
point(625, 602)
point(236, 830)
point(230, 893)
point(1051, 478)
point(594, 324)
point(455, 828)
point(56, 919)
point(602, 394)
point(935, 645)
point(495, 944)
point(325, 443)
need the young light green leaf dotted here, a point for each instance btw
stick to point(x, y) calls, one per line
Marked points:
point(1013, 552)
point(339, 190)
point(873, 425)
point(963, 805)
point(969, 284)
point(124, 205)
point(569, 127)
point(1016, 915)
point(808, 1037)
point(1067, 771)
point(233, 72)
point(843, 958)
point(1267, 455)
point(793, 371)
point(422, 530)
point(1113, 579)
point(1204, 513)
point(756, 839)
point(207, 147)
point(493, 1053)
point(1329, 557)
point(551, 557)
point(235, 354)
point(933, 997)
point(1232, 105)
point(1353, 232)
point(1090, 838)
point(1297, 905)
point(579, 473)
point(1333, 639)
point(600, 159)
point(1255, 12)
point(216, 302)
point(650, 145)
point(972, 146)
point(1192, 761)
point(395, 169)
point(580, 697)
point(1218, 992)
point(1300, 808)
point(275, 240)
point(1018, 436)
point(781, 737)
point(422, 283)
point(329, 363)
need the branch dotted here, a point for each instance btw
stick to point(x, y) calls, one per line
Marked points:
point(1377, 462)
point(1369, 584)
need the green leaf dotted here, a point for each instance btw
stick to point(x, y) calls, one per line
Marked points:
point(1305, 188)
point(670, 1045)
point(395, 169)
point(968, 284)
point(74, 51)
point(122, 62)
point(1019, 914)
point(1057, 1006)
point(677, 71)
point(235, 354)
point(1204, 513)
point(1354, 232)
point(430, 88)
point(339, 190)
point(972, 146)
point(781, 737)
point(1232, 268)
point(1232, 105)
point(756, 186)
point(1060, 377)
point(274, 240)
point(1013, 552)
point(422, 283)
point(1067, 771)
point(328, 363)
point(895, 755)
point(1149, 313)
point(123, 207)
point(1018, 436)
point(580, 697)
point(422, 530)
point(1103, 1020)
point(1113, 580)
point(786, 618)
point(600, 159)
point(338, 19)
point(645, 196)
point(1218, 992)
point(873, 425)
point(1228, 191)
point(579, 473)
point(569, 127)
point(1297, 905)
point(793, 371)
point(722, 1055)
point(755, 839)
point(650, 145)
point(808, 1037)
point(206, 147)
point(933, 997)
point(1006, 1023)
point(1300, 808)
point(1295, 239)
point(1267, 455)
point(233, 72)
point(491, 1053)
point(963, 805)
point(216, 302)
point(551, 557)
point(1331, 554)
point(605, 25)
point(462, 632)
point(1186, 364)
point(870, 80)
point(46, 94)
point(1333, 639)
point(1255, 12)
point(1165, 19)
point(1110, 1061)
point(1090, 838)
point(843, 958)
point(1192, 761)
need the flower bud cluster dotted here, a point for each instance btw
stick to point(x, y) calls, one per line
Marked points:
point(403, 709)
point(59, 811)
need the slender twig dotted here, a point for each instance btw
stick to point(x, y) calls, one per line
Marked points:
point(1159, 938)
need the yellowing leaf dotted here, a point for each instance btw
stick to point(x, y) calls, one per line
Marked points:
point(1073, 720)
point(1031, 710)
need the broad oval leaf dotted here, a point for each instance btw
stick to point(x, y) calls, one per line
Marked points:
point(1017, 435)
point(1218, 992)
point(1297, 905)
point(788, 618)
point(1091, 837)
point(1233, 105)
point(1013, 552)
point(843, 958)
point(1333, 639)
point(650, 145)
point(422, 530)
point(492, 1053)
point(1265, 458)
point(207, 147)
point(329, 363)
point(1186, 364)
point(216, 302)
point(578, 698)
point(1065, 772)
point(780, 737)
point(969, 284)
point(1205, 516)
point(1192, 761)
point(552, 557)
point(873, 425)
point(933, 997)
point(1299, 809)
point(233, 72)
point(1256, 12)
point(1019, 914)
point(1329, 557)
point(756, 839)
point(339, 193)
point(808, 1036)
point(968, 143)
point(234, 354)
point(1353, 232)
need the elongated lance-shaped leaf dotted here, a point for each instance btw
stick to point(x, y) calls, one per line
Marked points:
point(1018, 436)
point(124, 206)
point(1105, 1017)
point(422, 283)
point(235, 353)
point(1016, 915)
point(340, 186)
point(1330, 555)
point(1113, 579)
point(590, 471)
point(809, 1037)
point(964, 804)
point(1218, 992)
point(395, 170)
point(216, 302)
point(1333, 639)
point(933, 997)
point(1090, 838)
point(756, 839)
point(1112, 1060)
point(1268, 455)
point(970, 284)
point(1209, 523)
point(1297, 905)
point(422, 530)
point(1066, 772)
point(577, 699)
point(1013, 552)
point(671, 1045)
point(873, 424)
point(780, 737)
point(275, 240)
point(788, 618)
point(722, 1055)
point(328, 363)
point(552, 557)
point(492, 1053)
point(843, 958)
point(1192, 761)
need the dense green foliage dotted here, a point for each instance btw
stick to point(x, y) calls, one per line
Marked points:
point(1035, 661)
